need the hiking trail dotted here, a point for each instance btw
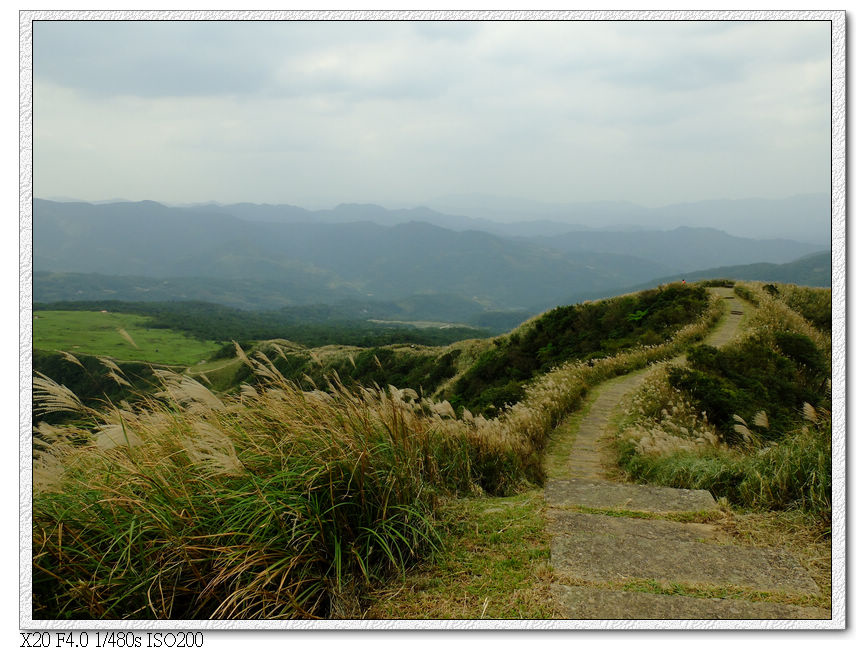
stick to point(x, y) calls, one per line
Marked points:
point(595, 556)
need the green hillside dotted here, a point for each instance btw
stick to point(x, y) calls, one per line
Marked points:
point(590, 330)
point(128, 337)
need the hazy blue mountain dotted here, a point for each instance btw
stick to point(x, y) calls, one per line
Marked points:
point(363, 259)
point(804, 218)
point(810, 271)
point(347, 213)
point(512, 209)
point(208, 253)
point(683, 248)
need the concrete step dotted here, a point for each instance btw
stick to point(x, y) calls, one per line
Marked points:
point(599, 548)
point(624, 496)
point(592, 603)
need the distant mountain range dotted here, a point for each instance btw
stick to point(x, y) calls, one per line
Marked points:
point(261, 257)
point(805, 218)
point(685, 249)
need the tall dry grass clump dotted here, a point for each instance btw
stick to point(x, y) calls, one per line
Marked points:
point(793, 473)
point(813, 303)
point(774, 315)
point(273, 503)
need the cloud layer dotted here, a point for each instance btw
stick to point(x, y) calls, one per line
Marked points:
point(316, 113)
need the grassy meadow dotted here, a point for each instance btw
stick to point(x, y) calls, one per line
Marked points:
point(127, 337)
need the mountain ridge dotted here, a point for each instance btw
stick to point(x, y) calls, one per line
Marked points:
point(805, 217)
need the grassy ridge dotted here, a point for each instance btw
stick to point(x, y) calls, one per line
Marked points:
point(587, 331)
point(275, 501)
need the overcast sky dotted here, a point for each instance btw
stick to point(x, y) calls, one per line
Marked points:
point(319, 113)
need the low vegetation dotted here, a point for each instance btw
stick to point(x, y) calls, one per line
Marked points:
point(421, 369)
point(749, 422)
point(493, 564)
point(93, 380)
point(578, 332)
point(815, 305)
point(272, 503)
point(312, 326)
point(279, 500)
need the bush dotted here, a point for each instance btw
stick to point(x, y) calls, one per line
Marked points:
point(571, 333)
point(752, 376)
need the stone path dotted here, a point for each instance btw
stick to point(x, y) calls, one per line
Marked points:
point(594, 555)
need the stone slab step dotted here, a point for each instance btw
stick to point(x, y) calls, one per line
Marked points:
point(604, 494)
point(592, 603)
point(599, 548)
point(588, 470)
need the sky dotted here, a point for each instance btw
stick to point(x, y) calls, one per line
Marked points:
point(399, 113)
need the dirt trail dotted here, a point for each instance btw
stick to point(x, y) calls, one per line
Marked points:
point(595, 555)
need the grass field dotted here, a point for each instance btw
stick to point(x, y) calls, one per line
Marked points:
point(101, 333)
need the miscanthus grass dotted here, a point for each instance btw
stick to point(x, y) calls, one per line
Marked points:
point(274, 502)
point(774, 315)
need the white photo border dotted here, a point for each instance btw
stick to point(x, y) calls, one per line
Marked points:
point(838, 158)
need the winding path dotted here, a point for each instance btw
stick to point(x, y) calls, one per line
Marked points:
point(608, 535)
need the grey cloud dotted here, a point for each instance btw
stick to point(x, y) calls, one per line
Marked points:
point(452, 31)
point(398, 111)
point(147, 58)
point(156, 59)
point(678, 73)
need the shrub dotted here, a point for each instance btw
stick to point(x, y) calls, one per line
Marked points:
point(752, 376)
point(585, 331)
